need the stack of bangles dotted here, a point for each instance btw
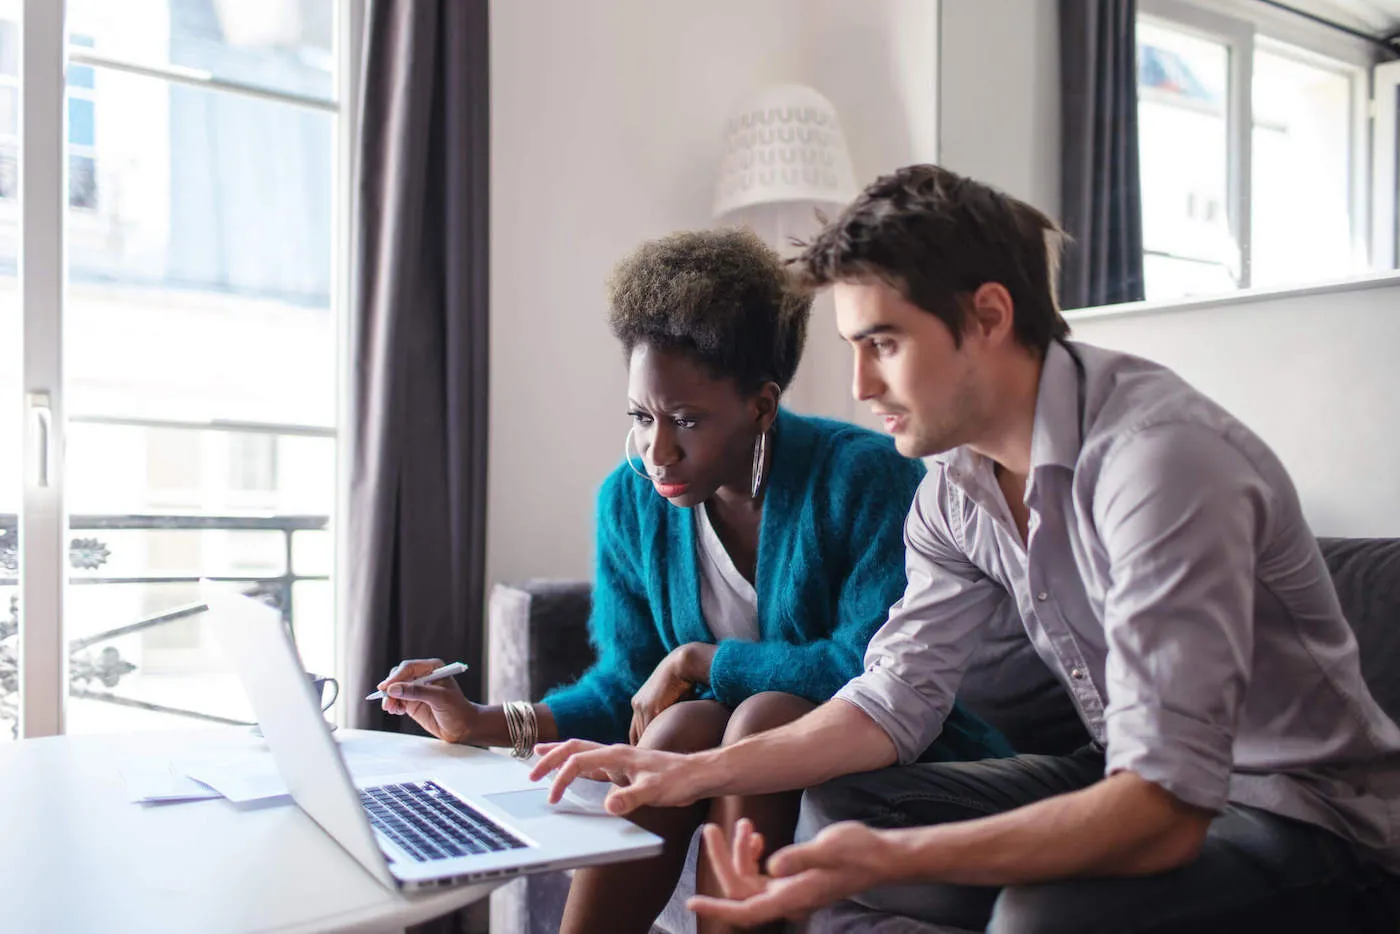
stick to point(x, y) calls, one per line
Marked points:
point(523, 727)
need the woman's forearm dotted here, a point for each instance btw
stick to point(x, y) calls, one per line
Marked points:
point(491, 730)
point(695, 659)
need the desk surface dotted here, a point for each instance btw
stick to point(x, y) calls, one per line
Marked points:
point(76, 856)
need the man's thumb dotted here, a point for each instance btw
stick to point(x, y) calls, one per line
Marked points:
point(621, 801)
point(799, 857)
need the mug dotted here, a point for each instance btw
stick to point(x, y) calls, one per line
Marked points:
point(318, 684)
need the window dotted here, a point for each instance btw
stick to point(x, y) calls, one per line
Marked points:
point(1253, 145)
point(82, 131)
point(9, 109)
point(252, 462)
point(183, 187)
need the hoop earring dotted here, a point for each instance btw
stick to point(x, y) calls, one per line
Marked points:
point(760, 453)
point(627, 453)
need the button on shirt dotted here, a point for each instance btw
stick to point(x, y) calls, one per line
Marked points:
point(1171, 583)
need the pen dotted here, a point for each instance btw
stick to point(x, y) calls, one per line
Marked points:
point(437, 674)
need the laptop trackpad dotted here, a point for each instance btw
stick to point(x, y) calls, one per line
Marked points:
point(534, 802)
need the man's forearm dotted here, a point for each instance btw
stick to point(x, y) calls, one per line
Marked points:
point(1122, 826)
point(835, 739)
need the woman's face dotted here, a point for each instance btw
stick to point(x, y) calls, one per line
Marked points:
point(695, 433)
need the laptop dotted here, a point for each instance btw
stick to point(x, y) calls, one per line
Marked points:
point(416, 830)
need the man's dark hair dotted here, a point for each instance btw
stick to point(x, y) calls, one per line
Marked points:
point(721, 297)
point(937, 237)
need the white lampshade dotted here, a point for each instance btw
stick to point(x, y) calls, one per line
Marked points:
point(784, 145)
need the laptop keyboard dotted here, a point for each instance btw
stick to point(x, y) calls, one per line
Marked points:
point(428, 822)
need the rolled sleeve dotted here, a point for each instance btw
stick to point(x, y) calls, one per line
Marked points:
point(1182, 510)
point(910, 718)
point(916, 660)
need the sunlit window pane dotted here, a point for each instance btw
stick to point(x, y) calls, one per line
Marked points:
point(278, 45)
point(1183, 137)
point(1302, 209)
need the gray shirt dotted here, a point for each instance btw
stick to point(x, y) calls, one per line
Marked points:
point(1171, 583)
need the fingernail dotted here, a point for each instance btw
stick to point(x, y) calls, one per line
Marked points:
point(395, 690)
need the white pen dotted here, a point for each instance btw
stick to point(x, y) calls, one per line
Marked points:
point(437, 674)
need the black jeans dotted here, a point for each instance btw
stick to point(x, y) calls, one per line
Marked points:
point(1256, 871)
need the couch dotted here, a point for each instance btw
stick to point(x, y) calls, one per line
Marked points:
point(539, 639)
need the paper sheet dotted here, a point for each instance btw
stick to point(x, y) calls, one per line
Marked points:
point(252, 775)
point(151, 780)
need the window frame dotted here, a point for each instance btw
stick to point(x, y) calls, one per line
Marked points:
point(1243, 27)
point(43, 209)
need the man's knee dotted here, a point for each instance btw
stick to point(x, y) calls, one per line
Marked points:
point(689, 726)
point(851, 918)
point(850, 797)
point(1048, 908)
point(763, 712)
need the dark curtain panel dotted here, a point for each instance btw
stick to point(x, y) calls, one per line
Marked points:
point(1101, 201)
point(417, 522)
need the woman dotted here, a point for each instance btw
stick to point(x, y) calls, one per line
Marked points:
point(745, 554)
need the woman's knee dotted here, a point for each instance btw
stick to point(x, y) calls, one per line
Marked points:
point(688, 726)
point(763, 712)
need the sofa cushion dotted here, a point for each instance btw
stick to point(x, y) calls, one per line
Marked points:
point(538, 637)
point(1366, 572)
point(1009, 685)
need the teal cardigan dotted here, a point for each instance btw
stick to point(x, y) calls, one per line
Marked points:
point(830, 564)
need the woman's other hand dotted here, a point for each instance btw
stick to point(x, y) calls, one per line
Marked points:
point(439, 707)
point(673, 681)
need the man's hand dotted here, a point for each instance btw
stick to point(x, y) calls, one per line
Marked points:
point(645, 777)
point(440, 707)
point(841, 861)
point(672, 681)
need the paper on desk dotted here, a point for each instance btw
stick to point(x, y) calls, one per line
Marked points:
point(152, 779)
point(252, 775)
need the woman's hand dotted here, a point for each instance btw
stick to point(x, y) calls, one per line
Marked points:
point(672, 681)
point(440, 707)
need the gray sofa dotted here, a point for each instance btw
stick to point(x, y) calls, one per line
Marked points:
point(539, 639)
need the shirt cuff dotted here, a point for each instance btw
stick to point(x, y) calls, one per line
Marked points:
point(897, 708)
point(1181, 754)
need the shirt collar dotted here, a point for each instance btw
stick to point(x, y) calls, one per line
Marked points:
point(1055, 433)
point(1055, 437)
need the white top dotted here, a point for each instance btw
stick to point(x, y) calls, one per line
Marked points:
point(727, 601)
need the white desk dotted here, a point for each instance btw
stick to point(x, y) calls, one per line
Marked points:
point(76, 856)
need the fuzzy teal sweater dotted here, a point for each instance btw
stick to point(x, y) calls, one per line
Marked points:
point(830, 564)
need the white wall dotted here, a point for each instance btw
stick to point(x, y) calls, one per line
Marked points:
point(1312, 373)
point(606, 130)
point(999, 96)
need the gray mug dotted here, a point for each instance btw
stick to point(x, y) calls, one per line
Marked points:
point(318, 684)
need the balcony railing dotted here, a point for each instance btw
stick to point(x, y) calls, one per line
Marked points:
point(90, 661)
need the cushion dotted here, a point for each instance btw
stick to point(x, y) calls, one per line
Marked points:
point(1366, 572)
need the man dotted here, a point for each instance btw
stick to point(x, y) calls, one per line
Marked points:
point(1241, 775)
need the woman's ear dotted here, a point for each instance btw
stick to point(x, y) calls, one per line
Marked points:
point(766, 404)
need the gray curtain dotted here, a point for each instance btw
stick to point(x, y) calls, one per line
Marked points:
point(417, 522)
point(1101, 199)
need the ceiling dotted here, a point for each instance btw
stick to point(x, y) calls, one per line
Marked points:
point(1381, 18)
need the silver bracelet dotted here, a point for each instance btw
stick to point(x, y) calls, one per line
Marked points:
point(523, 727)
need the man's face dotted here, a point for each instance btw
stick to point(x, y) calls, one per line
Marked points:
point(908, 369)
